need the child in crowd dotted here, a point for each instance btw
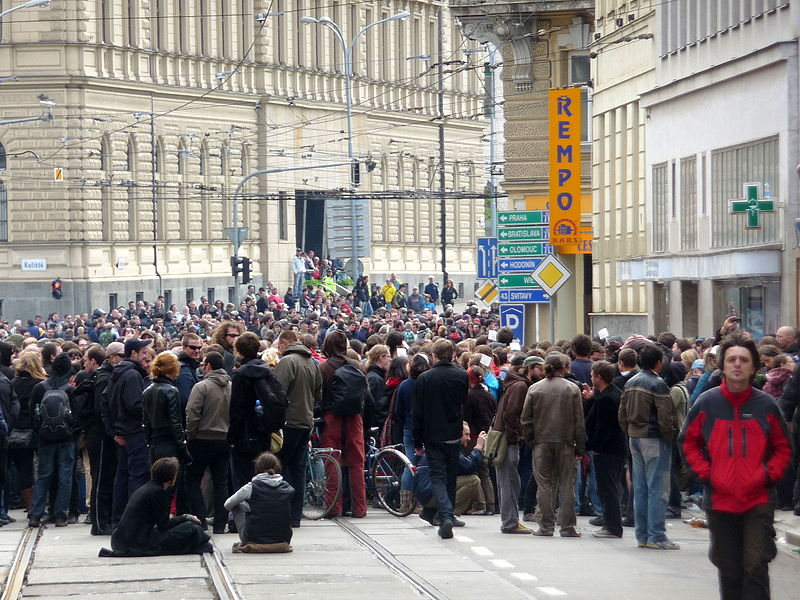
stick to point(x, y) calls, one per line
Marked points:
point(262, 509)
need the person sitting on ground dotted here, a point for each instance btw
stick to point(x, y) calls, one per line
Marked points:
point(262, 509)
point(468, 484)
point(146, 528)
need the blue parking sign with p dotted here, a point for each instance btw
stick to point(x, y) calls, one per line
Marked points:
point(513, 317)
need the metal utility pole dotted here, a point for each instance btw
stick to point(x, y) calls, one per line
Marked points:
point(442, 191)
point(153, 166)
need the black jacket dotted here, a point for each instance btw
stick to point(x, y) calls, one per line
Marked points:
point(10, 403)
point(603, 432)
point(23, 385)
point(376, 379)
point(101, 425)
point(242, 430)
point(145, 527)
point(439, 395)
point(163, 417)
point(125, 398)
point(790, 401)
point(449, 294)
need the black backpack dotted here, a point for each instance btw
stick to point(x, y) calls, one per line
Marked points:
point(348, 389)
point(271, 415)
point(55, 415)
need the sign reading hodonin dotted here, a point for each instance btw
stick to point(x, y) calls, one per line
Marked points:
point(565, 166)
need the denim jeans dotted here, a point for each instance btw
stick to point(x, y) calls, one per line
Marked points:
point(508, 485)
point(299, 280)
point(652, 459)
point(443, 465)
point(407, 480)
point(55, 460)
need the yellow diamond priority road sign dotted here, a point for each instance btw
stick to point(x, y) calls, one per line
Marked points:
point(487, 292)
point(551, 274)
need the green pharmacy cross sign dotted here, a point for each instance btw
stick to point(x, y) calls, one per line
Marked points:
point(752, 205)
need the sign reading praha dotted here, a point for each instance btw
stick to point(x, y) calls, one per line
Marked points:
point(565, 166)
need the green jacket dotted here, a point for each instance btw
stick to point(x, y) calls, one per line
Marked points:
point(299, 375)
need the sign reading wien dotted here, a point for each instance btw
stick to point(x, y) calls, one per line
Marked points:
point(565, 166)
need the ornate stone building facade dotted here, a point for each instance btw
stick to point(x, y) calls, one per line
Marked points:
point(143, 203)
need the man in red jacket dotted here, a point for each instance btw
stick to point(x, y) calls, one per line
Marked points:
point(736, 442)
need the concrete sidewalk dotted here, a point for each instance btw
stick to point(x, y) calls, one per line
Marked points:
point(787, 526)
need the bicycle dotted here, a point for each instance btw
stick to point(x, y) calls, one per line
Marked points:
point(323, 483)
point(383, 473)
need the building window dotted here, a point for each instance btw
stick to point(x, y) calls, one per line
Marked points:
point(756, 162)
point(139, 297)
point(210, 296)
point(167, 300)
point(106, 150)
point(113, 302)
point(3, 212)
point(3, 158)
point(660, 206)
point(580, 75)
point(689, 203)
point(283, 217)
point(189, 295)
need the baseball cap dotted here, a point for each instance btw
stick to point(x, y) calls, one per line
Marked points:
point(134, 345)
point(533, 360)
point(115, 348)
point(714, 350)
point(518, 360)
point(698, 364)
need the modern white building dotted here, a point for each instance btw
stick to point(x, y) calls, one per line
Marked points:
point(723, 113)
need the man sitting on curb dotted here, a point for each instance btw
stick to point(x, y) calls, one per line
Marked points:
point(467, 484)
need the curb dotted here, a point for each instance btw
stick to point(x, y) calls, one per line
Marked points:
point(787, 531)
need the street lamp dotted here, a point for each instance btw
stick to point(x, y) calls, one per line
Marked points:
point(347, 50)
point(29, 4)
point(45, 102)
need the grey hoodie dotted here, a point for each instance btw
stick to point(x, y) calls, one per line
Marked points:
point(207, 408)
point(300, 376)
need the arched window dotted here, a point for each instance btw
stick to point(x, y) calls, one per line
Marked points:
point(3, 212)
point(130, 155)
point(204, 158)
point(105, 153)
point(3, 163)
point(158, 155)
point(183, 156)
point(245, 159)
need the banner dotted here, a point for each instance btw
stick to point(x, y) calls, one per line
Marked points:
point(565, 166)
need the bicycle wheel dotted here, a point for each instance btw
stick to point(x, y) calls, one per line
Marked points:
point(323, 485)
point(387, 470)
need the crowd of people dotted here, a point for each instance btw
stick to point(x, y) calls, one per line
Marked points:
point(626, 431)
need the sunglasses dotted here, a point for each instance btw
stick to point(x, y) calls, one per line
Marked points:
point(194, 347)
point(231, 335)
point(120, 354)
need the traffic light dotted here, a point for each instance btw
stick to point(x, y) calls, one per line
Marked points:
point(55, 289)
point(236, 268)
point(246, 265)
point(243, 265)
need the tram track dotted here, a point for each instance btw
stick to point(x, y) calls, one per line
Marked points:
point(404, 572)
point(217, 579)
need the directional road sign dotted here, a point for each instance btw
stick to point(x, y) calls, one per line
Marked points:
point(524, 249)
point(487, 258)
point(513, 316)
point(523, 217)
point(524, 296)
point(517, 265)
point(551, 274)
point(523, 234)
point(516, 281)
